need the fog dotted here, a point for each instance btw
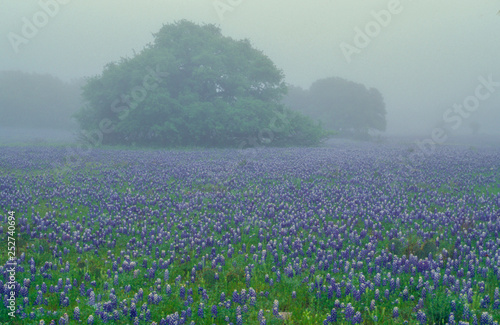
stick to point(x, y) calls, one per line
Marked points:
point(429, 55)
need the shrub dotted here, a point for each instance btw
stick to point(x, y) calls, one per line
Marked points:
point(209, 277)
point(396, 247)
point(428, 247)
point(438, 308)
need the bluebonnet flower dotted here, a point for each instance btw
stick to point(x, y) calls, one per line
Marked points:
point(357, 319)
point(104, 316)
point(260, 314)
point(405, 294)
point(451, 319)
point(395, 312)
point(474, 319)
point(253, 301)
point(485, 319)
point(466, 312)
point(201, 312)
point(485, 301)
point(276, 309)
point(421, 317)
point(349, 312)
point(356, 294)
point(133, 311)
point(481, 286)
point(76, 314)
point(333, 315)
point(92, 298)
point(393, 284)
point(330, 292)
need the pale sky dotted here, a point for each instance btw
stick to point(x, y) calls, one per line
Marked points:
point(427, 57)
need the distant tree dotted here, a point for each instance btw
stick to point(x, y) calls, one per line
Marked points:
point(37, 100)
point(192, 86)
point(344, 106)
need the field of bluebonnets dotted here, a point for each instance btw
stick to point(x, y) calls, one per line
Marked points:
point(337, 235)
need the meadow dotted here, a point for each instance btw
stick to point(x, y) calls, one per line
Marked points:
point(333, 235)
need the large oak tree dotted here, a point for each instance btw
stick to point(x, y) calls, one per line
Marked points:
point(194, 86)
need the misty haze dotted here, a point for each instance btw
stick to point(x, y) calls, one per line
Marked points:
point(249, 162)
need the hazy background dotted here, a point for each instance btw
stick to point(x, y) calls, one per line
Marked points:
point(428, 58)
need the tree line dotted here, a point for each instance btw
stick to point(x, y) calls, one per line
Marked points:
point(193, 86)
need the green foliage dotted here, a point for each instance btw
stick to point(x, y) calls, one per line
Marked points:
point(438, 308)
point(414, 246)
point(428, 247)
point(236, 275)
point(194, 87)
point(209, 277)
point(347, 107)
point(396, 247)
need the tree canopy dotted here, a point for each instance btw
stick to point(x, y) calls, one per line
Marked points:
point(194, 86)
point(344, 106)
